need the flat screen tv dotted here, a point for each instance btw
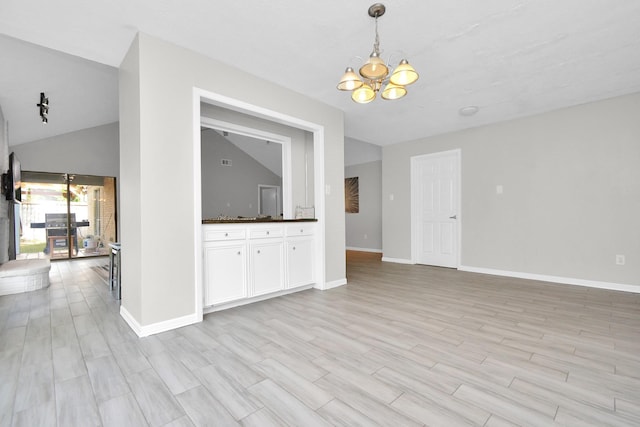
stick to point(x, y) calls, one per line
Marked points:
point(12, 180)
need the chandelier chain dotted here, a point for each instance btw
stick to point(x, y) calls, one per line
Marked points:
point(376, 44)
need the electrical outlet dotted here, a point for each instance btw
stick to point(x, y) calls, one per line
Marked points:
point(365, 237)
point(620, 260)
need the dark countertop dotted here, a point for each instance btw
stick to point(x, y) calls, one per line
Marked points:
point(253, 220)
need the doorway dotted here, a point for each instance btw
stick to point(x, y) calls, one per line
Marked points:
point(65, 216)
point(269, 202)
point(435, 209)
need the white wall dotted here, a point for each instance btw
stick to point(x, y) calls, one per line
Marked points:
point(4, 204)
point(571, 198)
point(159, 261)
point(364, 229)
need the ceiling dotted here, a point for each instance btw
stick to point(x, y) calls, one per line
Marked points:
point(267, 153)
point(510, 58)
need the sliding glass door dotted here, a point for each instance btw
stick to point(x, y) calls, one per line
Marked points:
point(66, 215)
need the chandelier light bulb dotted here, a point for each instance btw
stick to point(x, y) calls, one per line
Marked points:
point(350, 80)
point(393, 91)
point(404, 74)
point(364, 94)
point(374, 68)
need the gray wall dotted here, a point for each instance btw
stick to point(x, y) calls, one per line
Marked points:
point(230, 190)
point(156, 138)
point(571, 198)
point(131, 196)
point(93, 151)
point(364, 229)
point(357, 152)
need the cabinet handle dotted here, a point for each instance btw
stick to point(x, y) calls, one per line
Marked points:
point(294, 248)
point(239, 252)
point(301, 230)
point(226, 234)
point(258, 250)
point(267, 233)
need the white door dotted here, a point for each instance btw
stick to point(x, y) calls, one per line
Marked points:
point(268, 200)
point(435, 208)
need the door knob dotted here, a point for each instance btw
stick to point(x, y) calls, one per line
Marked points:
point(453, 217)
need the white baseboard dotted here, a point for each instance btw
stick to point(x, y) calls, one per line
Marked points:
point(332, 284)
point(246, 301)
point(156, 328)
point(397, 260)
point(554, 279)
point(351, 248)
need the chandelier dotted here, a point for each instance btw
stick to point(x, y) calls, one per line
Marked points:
point(374, 74)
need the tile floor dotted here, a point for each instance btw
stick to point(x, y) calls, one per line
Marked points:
point(399, 346)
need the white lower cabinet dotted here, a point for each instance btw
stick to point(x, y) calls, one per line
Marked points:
point(251, 260)
point(225, 272)
point(300, 262)
point(266, 267)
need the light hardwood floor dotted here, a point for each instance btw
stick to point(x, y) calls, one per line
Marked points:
point(400, 345)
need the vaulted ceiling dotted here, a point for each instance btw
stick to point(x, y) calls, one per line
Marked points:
point(510, 58)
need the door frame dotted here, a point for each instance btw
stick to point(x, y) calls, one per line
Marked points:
point(415, 211)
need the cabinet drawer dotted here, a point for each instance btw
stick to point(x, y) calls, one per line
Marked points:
point(228, 234)
point(263, 233)
point(300, 230)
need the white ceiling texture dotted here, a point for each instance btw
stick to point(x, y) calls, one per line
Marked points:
point(510, 58)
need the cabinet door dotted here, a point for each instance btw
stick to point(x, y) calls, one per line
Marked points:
point(300, 262)
point(266, 267)
point(225, 272)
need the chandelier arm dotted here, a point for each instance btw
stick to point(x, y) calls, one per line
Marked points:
point(397, 54)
